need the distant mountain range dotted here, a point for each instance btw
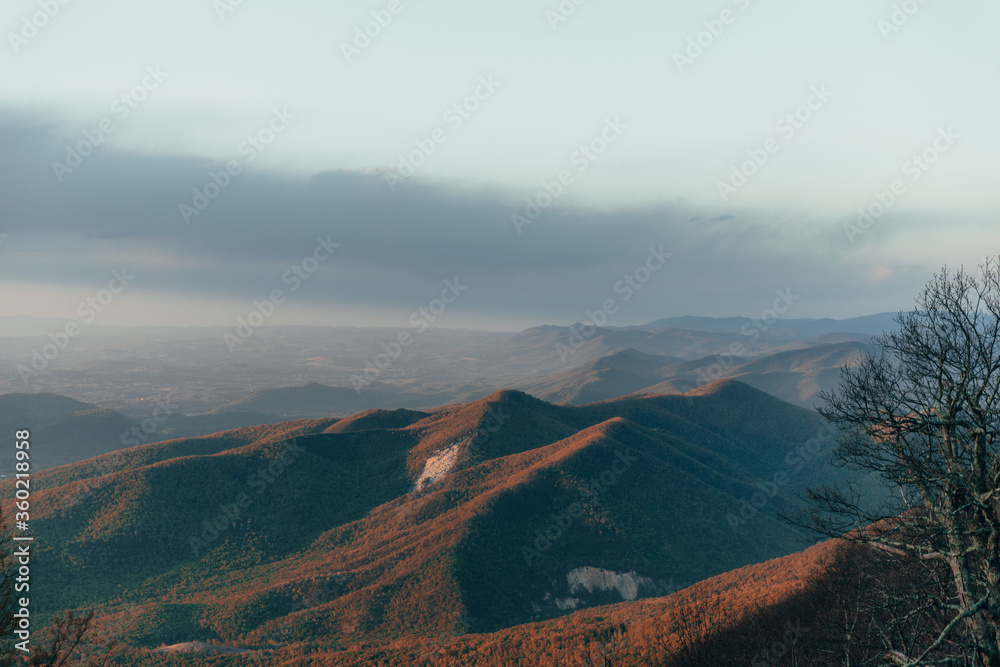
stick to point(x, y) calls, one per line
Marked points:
point(75, 430)
point(119, 367)
point(314, 400)
point(468, 517)
point(797, 329)
point(576, 345)
point(794, 375)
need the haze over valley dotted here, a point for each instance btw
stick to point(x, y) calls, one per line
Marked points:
point(563, 333)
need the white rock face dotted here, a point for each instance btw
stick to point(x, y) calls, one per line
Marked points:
point(567, 603)
point(438, 466)
point(627, 584)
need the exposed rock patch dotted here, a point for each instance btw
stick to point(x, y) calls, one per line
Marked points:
point(438, 466)
point(591, 579)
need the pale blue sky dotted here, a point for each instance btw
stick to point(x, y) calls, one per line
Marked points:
point(685, 131)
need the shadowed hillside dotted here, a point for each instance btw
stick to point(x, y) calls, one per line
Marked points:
point(72, 431)
point(481, 516)
point(77, 430)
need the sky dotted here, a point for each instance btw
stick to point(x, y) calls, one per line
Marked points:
point(355, 156)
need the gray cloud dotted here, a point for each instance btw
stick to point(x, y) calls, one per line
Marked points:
point(397, 247)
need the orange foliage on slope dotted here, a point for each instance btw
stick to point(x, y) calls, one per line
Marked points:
point(665, 631)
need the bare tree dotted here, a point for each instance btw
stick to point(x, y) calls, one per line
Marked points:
point(68, 644)
point(924, 415)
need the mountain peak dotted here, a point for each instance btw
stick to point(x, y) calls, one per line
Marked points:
point(376, 419)
point(727, 388)
point(509, 397)
point(508, 394)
